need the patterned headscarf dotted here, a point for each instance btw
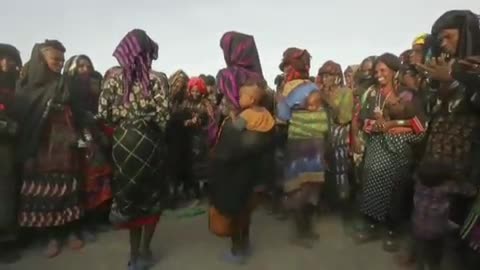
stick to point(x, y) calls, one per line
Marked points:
point(295, 64)
point(243, 63)
point(135, 54)
point(199, 84)
point(178, 82)
point(467, 23)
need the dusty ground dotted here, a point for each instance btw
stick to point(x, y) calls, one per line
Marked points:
point(186, 244)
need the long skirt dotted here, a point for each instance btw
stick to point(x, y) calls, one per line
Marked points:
point(340, 162)
point(304, 171)
point(224, 226)
point(138, 186)
point(98, 175)
point(388, 163)
point(51, 194)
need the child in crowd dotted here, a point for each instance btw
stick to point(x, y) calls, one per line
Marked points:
point(430, 219)
point(253, 116)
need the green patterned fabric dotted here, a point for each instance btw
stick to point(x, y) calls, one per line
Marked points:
point(306, 125)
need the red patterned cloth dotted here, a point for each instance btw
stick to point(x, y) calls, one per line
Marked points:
point(140, 222)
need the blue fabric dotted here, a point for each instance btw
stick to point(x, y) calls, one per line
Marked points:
point(306, 165)
point(296, 99)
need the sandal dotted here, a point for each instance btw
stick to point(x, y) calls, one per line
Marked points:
point(53, 249)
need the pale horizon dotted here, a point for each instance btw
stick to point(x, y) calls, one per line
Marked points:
point(188, 32)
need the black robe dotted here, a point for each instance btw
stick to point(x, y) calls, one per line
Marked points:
point(240, 161)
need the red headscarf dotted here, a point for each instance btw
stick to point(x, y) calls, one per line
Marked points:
point(199, 84)
point(295, 64)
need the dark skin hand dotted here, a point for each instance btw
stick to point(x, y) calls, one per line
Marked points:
point(437, 69)
point(471, 64)
point(382, 126)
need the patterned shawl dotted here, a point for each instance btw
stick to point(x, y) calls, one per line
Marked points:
point(135, 54)
point(243, 63)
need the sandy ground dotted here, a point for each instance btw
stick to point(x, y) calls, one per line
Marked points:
point(186, 244)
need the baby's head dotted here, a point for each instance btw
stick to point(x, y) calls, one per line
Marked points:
point(432, 172)
point(251, 94)
point(314, 101)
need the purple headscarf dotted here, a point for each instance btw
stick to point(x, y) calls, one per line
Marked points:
point(243, 63)
point(135, 54)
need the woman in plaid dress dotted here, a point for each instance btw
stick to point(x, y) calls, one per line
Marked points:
point(134, 101)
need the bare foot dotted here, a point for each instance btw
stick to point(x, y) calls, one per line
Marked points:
point(74, 242)
point(146, 259)
point(53, 249)
point(404, 260)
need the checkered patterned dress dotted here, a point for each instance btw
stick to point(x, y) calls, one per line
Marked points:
point(139, 143)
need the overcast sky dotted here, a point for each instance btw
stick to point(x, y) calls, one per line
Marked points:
point(188, 31)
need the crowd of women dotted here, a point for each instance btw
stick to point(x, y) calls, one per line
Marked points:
point(392, 144)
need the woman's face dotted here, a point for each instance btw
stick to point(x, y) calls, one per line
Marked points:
point(449, 40)
point(416, 56)
point(84, 67)
point(383, 74)
point(366, 68)
point(195, 93)
point(410, 81)
point(328, 80)
point(7, 64)
point(54, 59)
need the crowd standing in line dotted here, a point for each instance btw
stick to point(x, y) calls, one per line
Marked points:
point(391, 143)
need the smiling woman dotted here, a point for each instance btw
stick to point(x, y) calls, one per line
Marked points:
point(48, 149)
point(388, 151)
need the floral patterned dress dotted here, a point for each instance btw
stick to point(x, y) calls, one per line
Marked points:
point(139, 146)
